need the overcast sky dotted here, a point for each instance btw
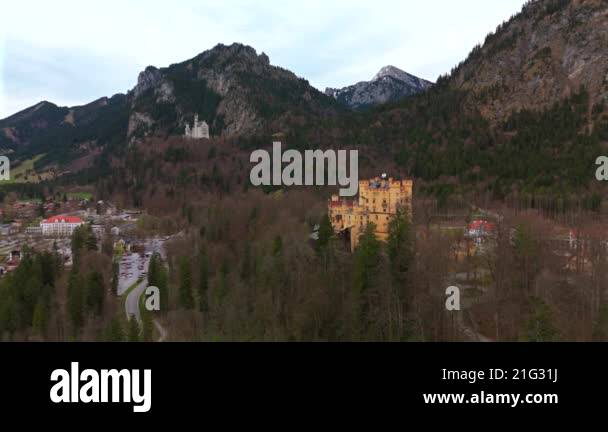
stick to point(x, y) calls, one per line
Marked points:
point(71, 52)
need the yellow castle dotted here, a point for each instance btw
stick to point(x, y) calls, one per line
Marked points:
point(379, 200)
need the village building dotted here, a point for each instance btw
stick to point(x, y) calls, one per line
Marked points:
point(13, 260)
point(480, 229)
point(379, 200)
point(8, 230)
point(98, 230)
point(34, 231)
point(199, 130)
point(60, 226)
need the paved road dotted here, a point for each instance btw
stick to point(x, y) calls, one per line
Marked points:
point(132, 309)
point(132, 301)
point(161, 331)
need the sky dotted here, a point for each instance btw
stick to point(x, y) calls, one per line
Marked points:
point(71, 52)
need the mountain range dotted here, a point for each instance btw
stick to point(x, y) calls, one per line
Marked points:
point(535, 91)
point(233, 88)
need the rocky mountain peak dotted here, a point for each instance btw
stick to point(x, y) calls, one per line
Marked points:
point(388, 85)
point(391, 71)
point(232, 87)
point(147, 79)
point(234, 54)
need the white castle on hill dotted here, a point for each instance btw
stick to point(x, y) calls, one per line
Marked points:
point(200, 130)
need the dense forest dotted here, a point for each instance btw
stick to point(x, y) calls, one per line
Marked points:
point(244, 267)
point(44, 301)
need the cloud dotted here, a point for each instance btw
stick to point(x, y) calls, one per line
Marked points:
point(70, 51)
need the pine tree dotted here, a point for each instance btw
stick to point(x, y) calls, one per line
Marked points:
point(203, 287)
point(153, 271)
point(277, 246)
point(326, 231)
point(115, 277)
point(41, 316)
point(185, 285)
point(133, 330)
point(527, 250)
point(600, 329)
point(76, 300)
point(95, 293)
point(400, 245)
point(366, 263)
point(90, 239)
point(115, 332)
point(8, 311)
point(147, 326)
point(540, 326)
point(78, 239)
point(222, 288)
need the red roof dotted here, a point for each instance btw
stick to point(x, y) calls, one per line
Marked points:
point(481, 225)
point(62, 219)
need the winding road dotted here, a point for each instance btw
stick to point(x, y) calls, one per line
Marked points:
point(136, 272)
point(132, 300)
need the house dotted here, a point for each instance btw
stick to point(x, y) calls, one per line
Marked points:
point(13, 260)
point(34, 231)
point(7, 229)
point(60, 226)
point(98, 230)
point(13, 256)
point(480, 228)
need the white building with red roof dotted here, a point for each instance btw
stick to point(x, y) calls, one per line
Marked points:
point(60, 226)
point(480, 228)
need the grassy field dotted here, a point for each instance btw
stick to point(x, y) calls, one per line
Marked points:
point(25, 173)
point(80, 195)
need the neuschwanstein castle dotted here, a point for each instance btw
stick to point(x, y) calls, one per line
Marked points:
point(200, 130)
